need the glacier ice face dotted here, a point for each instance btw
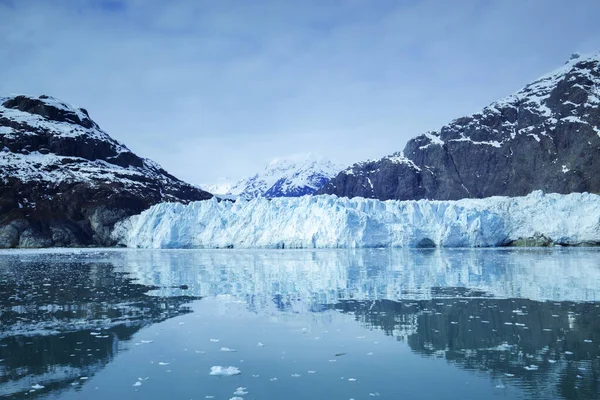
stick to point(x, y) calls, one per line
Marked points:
point(332, 222)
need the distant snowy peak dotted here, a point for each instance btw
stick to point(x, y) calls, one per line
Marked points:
point(544, 137)
point(218, 188)
point(286, 177)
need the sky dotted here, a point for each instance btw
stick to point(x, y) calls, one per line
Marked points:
point(213, 89)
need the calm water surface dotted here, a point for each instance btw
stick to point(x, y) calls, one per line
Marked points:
point(389, 324)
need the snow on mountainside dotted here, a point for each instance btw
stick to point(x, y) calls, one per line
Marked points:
point(64, 181)
point(291, 177)
point(544, 137)
point(332, 222)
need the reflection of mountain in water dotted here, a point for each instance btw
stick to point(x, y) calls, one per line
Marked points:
point(544, 347)
point(64, 317)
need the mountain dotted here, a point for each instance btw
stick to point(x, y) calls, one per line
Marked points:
point(65, 182)
point(544, 137)
point(291, 177)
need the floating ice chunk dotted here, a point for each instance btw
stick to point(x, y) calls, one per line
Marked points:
point(312, 372)
point(200, 352)
point(163, 363)
point(84, 378)
point(227, 349)
point(351, 379)
point(509, 375)
point(138, 383)
point(209, 397)
point(146, 341)
point(587, 340)
point(224, 371)
point(260, 344)
point(500, 386)
point(37, 386)
point(568, 353)
point(296, 375)
point(454, 322)
point(370, 353)
point(236, 398)
point(531, 367)
point(273, 379)
point(552, 361)
point(240, 391)
point(255, 376)
point(214, 340)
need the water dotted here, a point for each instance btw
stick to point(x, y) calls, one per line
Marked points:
point(339, 324)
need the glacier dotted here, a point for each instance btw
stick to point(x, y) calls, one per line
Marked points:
point(330, 222)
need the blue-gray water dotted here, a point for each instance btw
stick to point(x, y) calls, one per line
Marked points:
point(389, 324)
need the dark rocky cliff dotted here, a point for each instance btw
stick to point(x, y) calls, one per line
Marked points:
point(65, 182)
point(544, 137)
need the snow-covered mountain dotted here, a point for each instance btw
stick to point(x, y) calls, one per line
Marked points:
point(544, 137)
point(286, 177)
point(65, 182)
point(333, 222)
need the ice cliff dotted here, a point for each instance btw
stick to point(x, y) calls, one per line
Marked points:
point(332, 222)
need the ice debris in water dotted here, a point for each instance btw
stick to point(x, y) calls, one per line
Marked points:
point(37, 386)
point(138, 383)
point(163, 363)
point(260, 344)
point(296, 375)
point(240, 391)
point(146, 341)
point(227, 349)
point(531, 367)
point(224, 371)
point(236, 398)
point(312, 372)
point(214, 340)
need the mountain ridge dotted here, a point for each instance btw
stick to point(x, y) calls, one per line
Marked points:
point(545, 136)
point(65, 182)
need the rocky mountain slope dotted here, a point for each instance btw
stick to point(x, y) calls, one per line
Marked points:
point(282, 178)
point(544, 137)
point(65, 182)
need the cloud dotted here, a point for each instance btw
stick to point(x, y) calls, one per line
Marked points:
point(212, 89)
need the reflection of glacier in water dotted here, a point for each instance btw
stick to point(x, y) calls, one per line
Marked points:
point(521, 318)
point(524, 317)
point(325, 276)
